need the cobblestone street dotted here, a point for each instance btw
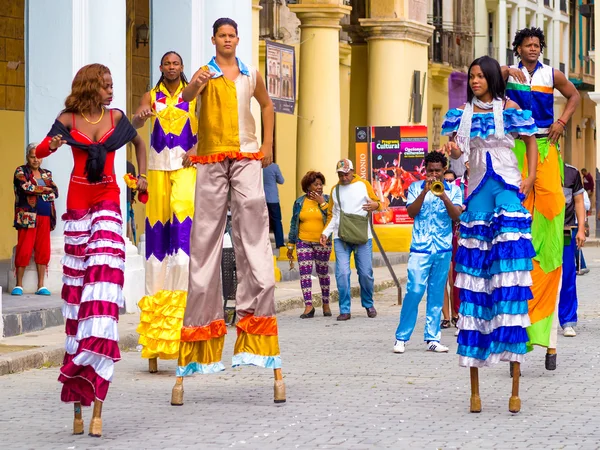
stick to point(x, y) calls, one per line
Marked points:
point(345, 389)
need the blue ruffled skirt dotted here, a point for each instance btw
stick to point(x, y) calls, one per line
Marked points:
point(493, 264)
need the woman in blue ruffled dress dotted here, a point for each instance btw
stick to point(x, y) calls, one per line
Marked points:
point(494, 256)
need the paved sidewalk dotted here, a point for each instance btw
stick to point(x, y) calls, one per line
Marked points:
point(47, 345)
point(345, 390)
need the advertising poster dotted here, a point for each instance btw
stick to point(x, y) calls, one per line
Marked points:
point(281, 76)
point(397, 155)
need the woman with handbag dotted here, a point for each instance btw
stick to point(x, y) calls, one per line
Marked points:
point(308, 221)
point(350, 203)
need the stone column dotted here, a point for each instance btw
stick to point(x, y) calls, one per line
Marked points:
point(390, 78)
point(255, 59)
point(502, 32)
point(359, 60)
point(345, 64)
point(319, 125)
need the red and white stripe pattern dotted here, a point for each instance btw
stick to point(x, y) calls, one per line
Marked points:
point(93, 275)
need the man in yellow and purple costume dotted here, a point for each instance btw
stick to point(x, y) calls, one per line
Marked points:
point(169, 210)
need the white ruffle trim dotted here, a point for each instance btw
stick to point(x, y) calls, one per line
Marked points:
point(519, 214)
point(81, 225)
point(71, 345)
point(102, 365)
point(72, 281)
point(472, 243)
point(494, 358)
point(106, 213)
point(103, 291)
point(506, 279)
point(70, 311)
point(114, 262)
point(509, 237)
point(100, 327)
point(77, 240)
point(107, 225)
point(73, 262)
point(104, 244)
point(475, 223)
point(488, 326)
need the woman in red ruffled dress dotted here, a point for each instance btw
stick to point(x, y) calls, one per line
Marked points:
point(94, 261)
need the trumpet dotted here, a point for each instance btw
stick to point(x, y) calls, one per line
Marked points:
point(437, 188)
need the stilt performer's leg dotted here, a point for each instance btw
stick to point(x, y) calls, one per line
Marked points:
point(514, 404)
point(177, 393)
point(77, 419)
point(279, 387)
point(96, 423)
point(475, 399)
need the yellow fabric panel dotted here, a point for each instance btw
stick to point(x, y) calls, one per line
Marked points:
point(159, 194)
point(202, 352)
point(218, 121)
point(183, 188)
point(311, 222)
point(256, 344)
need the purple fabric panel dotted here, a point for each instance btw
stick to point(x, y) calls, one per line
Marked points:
point(160, 140)
point(157, 239)
point(180, 235)
point(457, 89)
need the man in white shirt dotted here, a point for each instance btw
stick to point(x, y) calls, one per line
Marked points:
point(357, 197)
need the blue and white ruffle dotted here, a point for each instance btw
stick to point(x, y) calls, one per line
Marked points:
point(516, 121)
point(196, 367)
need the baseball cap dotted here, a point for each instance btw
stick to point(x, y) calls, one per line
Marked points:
point(344, 165)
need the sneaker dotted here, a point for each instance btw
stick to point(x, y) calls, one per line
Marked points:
point(433, 346)
point(399, 347)
point(583, 271)
point(456, 332)
point(43, 291)
point(569, 332)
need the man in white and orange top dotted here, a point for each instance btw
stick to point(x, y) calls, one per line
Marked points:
point(357, 197)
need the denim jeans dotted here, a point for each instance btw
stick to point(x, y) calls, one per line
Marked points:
point(363, 260)
point(425, 272)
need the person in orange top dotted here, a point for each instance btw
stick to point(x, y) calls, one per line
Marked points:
point(308, 221)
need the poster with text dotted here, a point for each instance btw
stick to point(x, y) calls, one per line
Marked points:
point(281, 76)
point(397, 155)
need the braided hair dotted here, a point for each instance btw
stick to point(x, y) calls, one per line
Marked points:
point(528, 33)
point(182, 76)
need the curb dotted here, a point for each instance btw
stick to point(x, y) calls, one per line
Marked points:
point(48, 356)
point(53, 356)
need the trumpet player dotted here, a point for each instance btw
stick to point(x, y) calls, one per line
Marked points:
point(433, 204)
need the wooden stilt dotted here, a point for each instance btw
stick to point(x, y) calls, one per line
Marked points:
point(96, 423)
point(279, 387)
point(77, 419)
point(551, 359)
point(514, 404)
point(475, 399)
point(177, 393)
point(153, 365)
